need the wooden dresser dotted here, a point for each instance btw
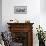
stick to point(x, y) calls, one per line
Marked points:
point(22, 33)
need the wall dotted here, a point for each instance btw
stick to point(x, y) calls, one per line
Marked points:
point(0, 15)
point(43, 6)
point(33, 10)
point(43, 14)
point(34, 14)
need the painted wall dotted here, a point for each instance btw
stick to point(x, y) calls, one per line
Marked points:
point(43, 6)
point(33, 14)
point(33, 11)
point(43, 14)
point(0, 15)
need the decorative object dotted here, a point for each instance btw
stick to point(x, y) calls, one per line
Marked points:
point(41, 36)
point(20, 9)
point(27, 21)
point(13, 21)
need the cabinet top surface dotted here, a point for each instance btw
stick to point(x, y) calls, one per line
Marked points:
point(19, 23)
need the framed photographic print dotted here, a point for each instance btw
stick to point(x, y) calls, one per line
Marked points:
point(20, 10)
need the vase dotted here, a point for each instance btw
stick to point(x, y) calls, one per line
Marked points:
point(41, 43)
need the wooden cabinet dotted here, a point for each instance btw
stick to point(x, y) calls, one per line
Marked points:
point(22, 33)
